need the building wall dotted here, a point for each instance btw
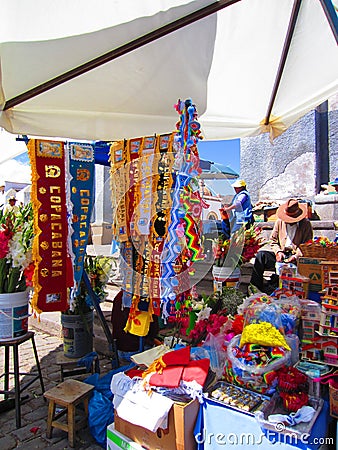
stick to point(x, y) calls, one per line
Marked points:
point(333, 137)
point(287, 167)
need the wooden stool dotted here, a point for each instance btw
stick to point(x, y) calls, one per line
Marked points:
point(69, 366)
point(19, 388)
point(67, 394)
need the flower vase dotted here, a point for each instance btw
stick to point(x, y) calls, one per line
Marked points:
point(224, 274)
point(13, 315)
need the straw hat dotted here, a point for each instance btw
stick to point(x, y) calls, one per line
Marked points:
point(292, 211)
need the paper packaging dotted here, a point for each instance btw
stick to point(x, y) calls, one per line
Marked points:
point(311, 268)
point(116, 440)
point(178, 436)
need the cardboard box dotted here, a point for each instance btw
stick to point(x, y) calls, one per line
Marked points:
point(311, 268)
point(116, 440)
point(178, 436)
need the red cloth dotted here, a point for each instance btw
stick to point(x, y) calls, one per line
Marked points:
point(134, 373)
point(180, 357)
point(196, 370)
point(170, 377)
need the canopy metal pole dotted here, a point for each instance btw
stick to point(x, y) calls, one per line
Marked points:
point(96, 303)
point(120, 51)
point(331, 16)
point(286, 48)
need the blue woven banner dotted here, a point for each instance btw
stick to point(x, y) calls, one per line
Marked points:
point(82, 171)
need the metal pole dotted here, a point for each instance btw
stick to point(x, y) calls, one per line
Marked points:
point(321, 146)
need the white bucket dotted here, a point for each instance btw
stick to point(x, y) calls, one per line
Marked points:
point(226, 273)
point(13, 315)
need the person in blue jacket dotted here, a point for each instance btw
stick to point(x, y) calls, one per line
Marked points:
point(240, 206)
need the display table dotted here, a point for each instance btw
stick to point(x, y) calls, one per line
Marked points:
point(218, 427)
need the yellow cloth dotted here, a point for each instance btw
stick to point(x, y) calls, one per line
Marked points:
point(138, 323)
point(275, 127)
point(263, 334)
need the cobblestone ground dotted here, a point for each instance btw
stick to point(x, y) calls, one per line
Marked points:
point(32, 434)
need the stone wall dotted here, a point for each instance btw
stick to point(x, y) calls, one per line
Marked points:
point(333, 137)
point(287, 167)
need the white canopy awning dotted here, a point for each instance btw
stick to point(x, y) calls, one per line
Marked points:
point(250, 63)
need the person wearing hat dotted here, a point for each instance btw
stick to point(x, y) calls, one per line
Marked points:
point(11, 207)
point(241, 207)
point(334, 184)
point(291, 229)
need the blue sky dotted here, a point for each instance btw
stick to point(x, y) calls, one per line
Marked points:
point(223, 152)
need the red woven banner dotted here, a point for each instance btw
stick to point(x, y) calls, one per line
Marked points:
point(53, 266)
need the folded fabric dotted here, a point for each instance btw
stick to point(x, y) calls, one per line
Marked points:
point(196, 370)
point(140, 408)
point(121, 383)
point(180, 357)
point(147, 357)
point(169, 377)
point(133, 372)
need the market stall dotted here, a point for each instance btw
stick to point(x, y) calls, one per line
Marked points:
point(92, 93)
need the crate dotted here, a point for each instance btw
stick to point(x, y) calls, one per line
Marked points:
point(311, 268)
point(318, 251)
point(333, 399)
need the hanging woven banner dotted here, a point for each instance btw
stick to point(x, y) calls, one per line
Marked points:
point(82, 171)
point(133, 178)
point(53, 266)
point(118, 185)
point(143, 208)
point(182, 229)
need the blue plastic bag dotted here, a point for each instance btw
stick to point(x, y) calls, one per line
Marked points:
point(100, 415)
point(100, 406)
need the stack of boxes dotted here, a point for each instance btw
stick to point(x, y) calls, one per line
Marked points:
point(310, 313)
point(292, 282)
point(311, 268)
point(320, 323)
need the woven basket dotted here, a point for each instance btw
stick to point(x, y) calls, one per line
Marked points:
point(318, 251)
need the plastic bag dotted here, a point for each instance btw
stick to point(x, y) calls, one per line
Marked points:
point(264, 384)
point(102, 384)
point(100, 415)
point(216, 353)
point(244, 360)
point(100, 406)
point(291, 312)
point(253, 300)
point(264, 312)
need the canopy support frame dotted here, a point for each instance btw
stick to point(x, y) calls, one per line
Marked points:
point(284, 55)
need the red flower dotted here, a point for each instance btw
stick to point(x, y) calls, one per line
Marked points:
point(238, 324)
point(5, 237)
point(29, 272)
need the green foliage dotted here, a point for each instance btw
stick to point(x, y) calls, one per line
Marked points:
point(228, 300)
point(98, 269)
